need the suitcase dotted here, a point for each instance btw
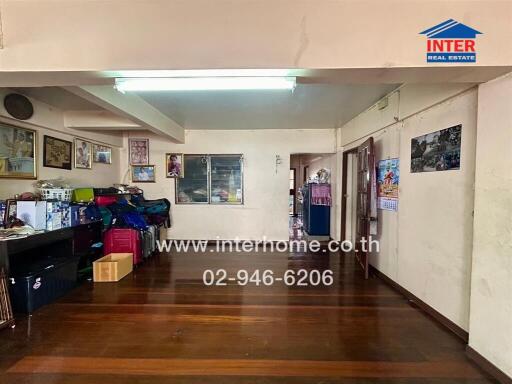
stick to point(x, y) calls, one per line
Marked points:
point(147, 244)
point(153, 231)
point(124, 240)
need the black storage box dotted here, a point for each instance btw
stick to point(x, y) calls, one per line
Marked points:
point(41, 283)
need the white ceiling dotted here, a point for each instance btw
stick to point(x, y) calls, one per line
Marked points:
point(309, 106)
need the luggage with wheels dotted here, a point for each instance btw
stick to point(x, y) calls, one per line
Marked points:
point(147, 241)
point(124, 240)
point(153, 231)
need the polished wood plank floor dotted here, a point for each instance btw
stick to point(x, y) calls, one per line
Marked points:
point(162, 325)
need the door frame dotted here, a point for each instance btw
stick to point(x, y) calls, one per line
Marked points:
point(294, 169)
point(344, 178)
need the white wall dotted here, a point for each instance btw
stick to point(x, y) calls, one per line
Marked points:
point(491, 283)
point(426, 245)
point(49, 121)
point(265, 208)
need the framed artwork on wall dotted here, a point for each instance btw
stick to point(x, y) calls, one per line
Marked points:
point(138, 151)
point(437, 151)
point(174, 165)
point(83, 154)
point(102, 154)
point(57, 153)
point(18, 152)
point(143, 173)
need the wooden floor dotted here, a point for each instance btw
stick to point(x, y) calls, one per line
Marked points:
point(162, 325)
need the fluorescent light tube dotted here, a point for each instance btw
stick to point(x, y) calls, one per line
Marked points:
point(204, 83)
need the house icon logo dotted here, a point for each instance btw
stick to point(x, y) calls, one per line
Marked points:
point(451, 42)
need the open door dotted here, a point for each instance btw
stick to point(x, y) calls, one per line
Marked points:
point(365, 206)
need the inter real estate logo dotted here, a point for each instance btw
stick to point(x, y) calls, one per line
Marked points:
point(451, 42)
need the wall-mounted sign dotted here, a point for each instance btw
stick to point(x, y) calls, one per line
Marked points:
point(388, 179)
point(451, 42)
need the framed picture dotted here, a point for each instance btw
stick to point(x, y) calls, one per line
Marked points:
point(437, 151)
point(57, 153)
point(143, 173)
point(174, 165)
point(10, 210)
point(138, 151)
point(83, 154)
point(102, 154)
point(18, 152)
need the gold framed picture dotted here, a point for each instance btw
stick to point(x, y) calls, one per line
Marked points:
point(102, 154)
point(143, 173)
point(174, 165)
point(83, 154)
point(18, 152)
point(138, 151)
point(57, 153)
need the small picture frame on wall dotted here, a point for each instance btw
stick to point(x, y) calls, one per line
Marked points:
point(102, 154)
point(138, 151)
point(83, 154)
point(57, 153)
point(143, 173)
point(174, 165)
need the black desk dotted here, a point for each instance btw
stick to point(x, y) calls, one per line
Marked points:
point(81, 237)
point(73, 242)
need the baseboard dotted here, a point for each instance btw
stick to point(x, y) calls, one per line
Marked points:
point(487, 366)
point(440, 318)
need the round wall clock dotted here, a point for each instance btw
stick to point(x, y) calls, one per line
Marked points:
point(18, 106)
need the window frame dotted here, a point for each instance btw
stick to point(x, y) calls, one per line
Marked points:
point(209, 156)
point(241, 159)
point(207, 182)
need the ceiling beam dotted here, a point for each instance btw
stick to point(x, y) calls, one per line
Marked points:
point(99, 120)
point(132, 107)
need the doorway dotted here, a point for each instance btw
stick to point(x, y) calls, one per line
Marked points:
point(304, 168)
point(359, 205)
point(349, 196)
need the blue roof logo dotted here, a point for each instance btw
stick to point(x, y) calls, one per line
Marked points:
point(451, 29)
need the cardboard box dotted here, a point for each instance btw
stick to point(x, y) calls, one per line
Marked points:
point(32, 213)
point(112, 267)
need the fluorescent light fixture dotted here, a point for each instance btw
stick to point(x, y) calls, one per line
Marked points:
point(201, 73)
point(204, 83)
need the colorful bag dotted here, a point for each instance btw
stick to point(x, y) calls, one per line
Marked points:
point(106, 216)
point(82, 195)
point(134, 220)
point(92, 212)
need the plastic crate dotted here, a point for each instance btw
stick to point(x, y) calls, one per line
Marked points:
point(61, 194)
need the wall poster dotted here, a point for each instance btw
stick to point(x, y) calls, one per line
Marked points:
point(388, 179)
point(436, 151)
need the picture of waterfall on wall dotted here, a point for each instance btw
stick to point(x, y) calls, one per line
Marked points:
point(17, 152)
point(437, 151)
